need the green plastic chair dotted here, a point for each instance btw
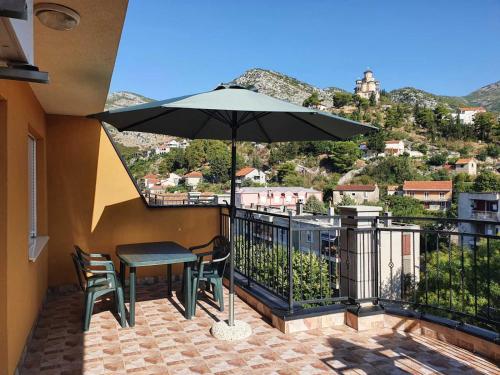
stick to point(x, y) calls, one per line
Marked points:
point(97, 277)
point(211, 271)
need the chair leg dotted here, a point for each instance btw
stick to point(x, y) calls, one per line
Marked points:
point(194, 296)
point(220, 294)
point(89, 304)
point(120, 304)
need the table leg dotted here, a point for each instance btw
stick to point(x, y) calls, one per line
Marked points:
point(122, 274)
point(169, 280)
point(132, 296)
point(187, 290)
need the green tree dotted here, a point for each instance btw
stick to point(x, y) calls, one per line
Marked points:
point(404, 206)
point(392, 170)
point(312, 100)
point(376, 141)
point(172, 161)
point(346, 201)
point(373, 100)
point(343, 155)
point(486, 182)
point(195, 154)
point(313, 204)
point(341, 99)
point(484, 125)
point(285, 170)
point(437, 159)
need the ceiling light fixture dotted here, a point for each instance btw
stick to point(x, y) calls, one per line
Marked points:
point(56, 16)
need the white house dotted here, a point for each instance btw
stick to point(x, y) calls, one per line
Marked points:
point(467, 114)
point(150, 180)
point(359, 193)
point(172, 180)
point(193, 178)
point(163, 149)
point(468, 166)
point(395, 148)
point(249, 173)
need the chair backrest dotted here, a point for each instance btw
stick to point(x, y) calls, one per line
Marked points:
point(220, 254)
point(80, 271)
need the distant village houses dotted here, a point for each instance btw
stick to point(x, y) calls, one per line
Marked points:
point(435, 195)
point(468, 166)
point(252, 174)
point(395, 148)
point(467, 114)
point(359, 193)
point(192, 179)
point(251, 197)
point(170, 145)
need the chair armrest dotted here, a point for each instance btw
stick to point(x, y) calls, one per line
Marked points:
point(201, 246)
point(98, 255)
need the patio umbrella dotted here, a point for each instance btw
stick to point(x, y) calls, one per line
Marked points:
point(231, 112)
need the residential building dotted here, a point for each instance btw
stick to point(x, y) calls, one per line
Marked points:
point(483, 207)
point(172, 180)
point(368, 86)
point(359, 193)
point(192, 179)
point(247, 197)
point(150, 180)
point(393, 190)
point(467, 114)
point(468, 166)
point(252, 174)
point(162, 149)
point(435, 195)
point(395, 148)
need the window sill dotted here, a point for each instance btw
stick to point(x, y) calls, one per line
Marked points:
point(36, 247)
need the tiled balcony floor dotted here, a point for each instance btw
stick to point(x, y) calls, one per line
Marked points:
point(163, 342)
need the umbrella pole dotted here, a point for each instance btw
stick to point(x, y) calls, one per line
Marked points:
point(232, 216)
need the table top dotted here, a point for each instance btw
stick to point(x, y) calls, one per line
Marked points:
point(153, 253)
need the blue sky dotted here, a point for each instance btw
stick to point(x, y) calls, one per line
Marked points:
point(170, 48)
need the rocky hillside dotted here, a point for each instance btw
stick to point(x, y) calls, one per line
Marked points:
point(132, 139)
point(487, 96)
point(284, 87)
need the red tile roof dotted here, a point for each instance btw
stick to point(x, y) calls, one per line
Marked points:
point(244, 171)
point(478, 109)
point(194, 174)
point(355, 188)
point(392, 142)
point(428, 185)
point(150, 176)
point(463, 161)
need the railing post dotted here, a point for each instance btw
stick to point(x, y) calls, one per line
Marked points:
point(290, 263)
point(359, 260)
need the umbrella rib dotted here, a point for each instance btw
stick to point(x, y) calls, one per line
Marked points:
point(262, 129)
point(195, 134)
point(312, 125)
point(260, 115)
point(216, 115)
point(168, 111)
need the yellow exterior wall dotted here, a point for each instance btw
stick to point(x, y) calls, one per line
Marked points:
point(94, 203)
point(24, 283)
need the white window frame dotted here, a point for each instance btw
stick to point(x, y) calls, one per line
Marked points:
point(36, 243)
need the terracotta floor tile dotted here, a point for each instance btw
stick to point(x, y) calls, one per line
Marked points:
point(163, 342)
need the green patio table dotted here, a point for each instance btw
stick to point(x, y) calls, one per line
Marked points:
point(153, 254)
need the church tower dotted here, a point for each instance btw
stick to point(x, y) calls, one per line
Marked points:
point(367, 86)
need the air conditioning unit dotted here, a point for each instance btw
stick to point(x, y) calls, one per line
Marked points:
point(16, 42)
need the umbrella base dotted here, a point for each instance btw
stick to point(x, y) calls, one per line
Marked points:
point(223, 331)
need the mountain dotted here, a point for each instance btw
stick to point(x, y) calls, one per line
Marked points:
point(411, 95)
point(287, 88)
point(487, 96)
point(122, 99)
point(284, 87)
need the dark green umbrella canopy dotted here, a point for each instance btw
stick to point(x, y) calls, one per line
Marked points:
point(231, 112)
point(210, 115)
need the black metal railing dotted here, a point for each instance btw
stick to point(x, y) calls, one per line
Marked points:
point(160, 200)
point(443, 266)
